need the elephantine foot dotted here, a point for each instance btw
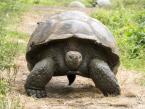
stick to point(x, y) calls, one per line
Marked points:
point(36, 93)
point(113, 90)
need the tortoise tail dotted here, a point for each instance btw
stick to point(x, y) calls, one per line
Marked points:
point(71, 77)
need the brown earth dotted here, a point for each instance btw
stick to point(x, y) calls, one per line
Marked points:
point(82, 94)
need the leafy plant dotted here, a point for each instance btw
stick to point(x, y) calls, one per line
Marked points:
point(128, 26)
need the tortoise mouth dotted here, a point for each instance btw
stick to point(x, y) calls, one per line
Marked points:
point(73, 59)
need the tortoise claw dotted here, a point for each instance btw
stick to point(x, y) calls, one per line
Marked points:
point(36, 93)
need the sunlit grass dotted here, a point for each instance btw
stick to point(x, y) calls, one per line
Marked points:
point(128, 27)
point(10, 12)
point(48, 2)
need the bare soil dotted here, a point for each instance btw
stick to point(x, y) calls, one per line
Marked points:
point(82, 94)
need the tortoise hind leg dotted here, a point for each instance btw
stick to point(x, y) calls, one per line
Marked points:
point(104, 78)
point(39, 77)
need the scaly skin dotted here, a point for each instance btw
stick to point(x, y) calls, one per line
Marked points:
point(39, 77)
point(104, 78)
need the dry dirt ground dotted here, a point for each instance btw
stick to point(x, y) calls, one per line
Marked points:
point(82, 94)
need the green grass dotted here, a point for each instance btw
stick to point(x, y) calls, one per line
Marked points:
point(56, 2)
point(48, 2)
point(10, 103)
point(10, 12)
point(126, 20)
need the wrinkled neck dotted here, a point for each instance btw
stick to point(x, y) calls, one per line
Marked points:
point(72, 44)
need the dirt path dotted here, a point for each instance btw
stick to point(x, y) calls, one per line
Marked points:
point(82, 94)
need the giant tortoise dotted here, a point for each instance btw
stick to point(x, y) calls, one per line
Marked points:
point(69, 44)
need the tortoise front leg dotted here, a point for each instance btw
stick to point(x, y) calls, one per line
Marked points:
point(39, 77)
point(104, 78)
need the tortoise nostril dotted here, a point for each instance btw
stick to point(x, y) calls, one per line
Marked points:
point(70, 57)
point(74, 57)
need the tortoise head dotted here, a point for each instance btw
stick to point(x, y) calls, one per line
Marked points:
point(73, 59)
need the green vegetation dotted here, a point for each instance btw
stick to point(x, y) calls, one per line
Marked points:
point(10, 103)
point(48, 2)
point(126, 20)
point(64, 3)
point(10, 11)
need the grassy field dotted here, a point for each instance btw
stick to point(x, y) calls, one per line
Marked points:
point(10, 13)
point(126, 20)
